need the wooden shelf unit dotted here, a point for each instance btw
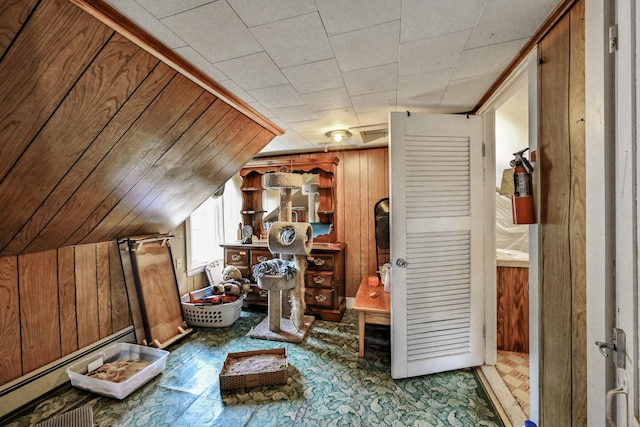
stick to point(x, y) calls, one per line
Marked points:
point(325, 167)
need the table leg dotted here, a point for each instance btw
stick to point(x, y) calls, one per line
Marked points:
point(361, 333)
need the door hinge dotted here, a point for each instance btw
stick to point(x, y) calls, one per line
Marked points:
point(613, 38)
point(483, 149)
point(484, 331)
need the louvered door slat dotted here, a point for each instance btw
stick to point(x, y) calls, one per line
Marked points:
point(435, 165)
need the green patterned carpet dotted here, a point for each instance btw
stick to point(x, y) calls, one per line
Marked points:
point(328, 385)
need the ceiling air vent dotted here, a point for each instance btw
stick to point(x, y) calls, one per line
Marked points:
point(373, 134)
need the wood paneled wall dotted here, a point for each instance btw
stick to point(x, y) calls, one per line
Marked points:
point(363, 179)
point(561, 195)
point(99, 139)
point(56, 302)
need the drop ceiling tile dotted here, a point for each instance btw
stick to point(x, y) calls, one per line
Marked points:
point(374, 101)
point(436, 53)
point(295, 41)
point(266, 112)
point(487, 59)
point(215, 31)
point(306, 125)
point(148, 22)
point(462, 95)
point(423, 19)
point(314, 77)
point(254, 71)
point(201, 63)
point(162, 8)
point(296, 113)
point(275, 145)
point(504, 20)
point(368, 47)
point(341, 118)
point(424, 89)
point(257, 13)
point(341, 16)
point(277, 96)
point(370, 80)
point(232, 87)
point(374, 117)
point(327, 99)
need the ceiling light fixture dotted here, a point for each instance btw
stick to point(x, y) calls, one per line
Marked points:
point(338, 135)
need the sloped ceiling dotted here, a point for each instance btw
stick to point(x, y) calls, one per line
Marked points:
point(99, 139)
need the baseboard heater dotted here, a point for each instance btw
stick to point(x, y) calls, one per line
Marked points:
point(23, 390)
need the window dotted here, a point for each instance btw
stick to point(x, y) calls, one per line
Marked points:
point(203, 243)
point(212, 224)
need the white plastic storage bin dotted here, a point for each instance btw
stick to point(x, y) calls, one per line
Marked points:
point(210, 315)
point(121, 351)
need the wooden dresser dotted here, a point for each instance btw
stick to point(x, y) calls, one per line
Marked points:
point(324, 281)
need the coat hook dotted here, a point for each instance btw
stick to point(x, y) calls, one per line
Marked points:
point(408, 113)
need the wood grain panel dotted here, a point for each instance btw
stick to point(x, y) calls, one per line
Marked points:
point(13, 14)
point(159, 293)
point(129, 76)
point(219, 116)
point(555, 273)
point(131, 204)
point(39, 312)
point(577, 216)
point(378, 189)
point(104, 289)
point(10, 350)
point(147, 172)
point(352, 192)
point(86, 174)
point(512, 293)
point(219, 170)
point(29, 98)
point(87, 295)
point(67, 297)
point(146, 141)
point(199, 167)
point(120, 313)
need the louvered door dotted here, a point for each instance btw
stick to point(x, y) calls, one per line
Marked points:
point(437, 293)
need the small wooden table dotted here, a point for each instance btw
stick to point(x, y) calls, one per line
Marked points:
point(374, 309)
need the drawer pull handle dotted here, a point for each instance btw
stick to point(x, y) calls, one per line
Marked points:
point(263, 293)
point(321, 298)
point(236, 257)
point(318, 261)
point(318, 279)
point(262, 258)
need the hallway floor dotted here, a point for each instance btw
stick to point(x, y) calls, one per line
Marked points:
point(328, 384)
point(514, 369)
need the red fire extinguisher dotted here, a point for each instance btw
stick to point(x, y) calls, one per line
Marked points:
point(522, 200)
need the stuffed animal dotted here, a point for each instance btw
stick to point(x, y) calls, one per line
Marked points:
point(231, 289)
point(231, 272)
point(218, 289)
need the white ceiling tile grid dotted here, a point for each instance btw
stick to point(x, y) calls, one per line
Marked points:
point(314, 66)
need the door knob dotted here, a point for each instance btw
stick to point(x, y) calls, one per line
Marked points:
point(400, 262)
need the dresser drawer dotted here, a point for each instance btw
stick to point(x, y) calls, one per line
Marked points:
point(321, 262)
point(324, 279)
point(237, 257)
point(258, 256)
point(319, 297)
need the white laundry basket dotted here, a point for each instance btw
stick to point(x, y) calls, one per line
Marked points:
point(210, 315)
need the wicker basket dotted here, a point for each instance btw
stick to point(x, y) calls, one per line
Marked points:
point(210, 315)
point(228, 382)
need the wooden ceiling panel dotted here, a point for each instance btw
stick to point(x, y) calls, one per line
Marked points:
point(161, 177)
point(84, 167)
point(71, 129)
point(13, 13)
point(99, 138)
point(40, 68)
